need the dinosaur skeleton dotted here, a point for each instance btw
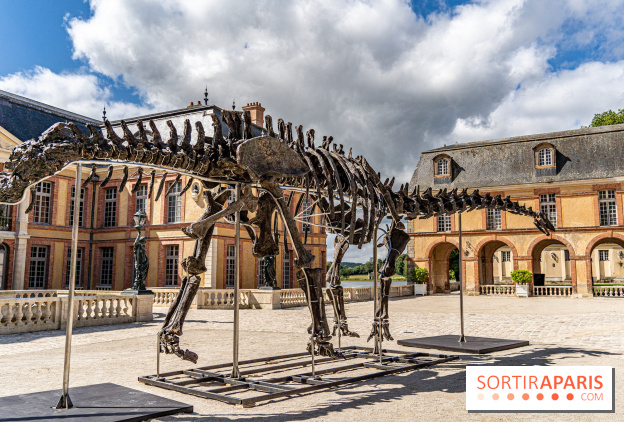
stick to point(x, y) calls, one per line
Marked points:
point(346, 191)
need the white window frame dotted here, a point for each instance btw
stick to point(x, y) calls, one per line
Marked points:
point(110, 207)
point(140, 199)
point(442, 167)
point(174, 204)
point(230, 267)
point(42, 211)
point(444, 223)
point(172, 262)
point(603, 255)
point(286, 276)
point(505, 256)
point(306, 212)
point(607, 208)
point(260, 281)
point(71, 206)
point(493, 219)
point(78, 267)
point(106, 266)
point(38, 267)
point(545, 157)
point(548, 205)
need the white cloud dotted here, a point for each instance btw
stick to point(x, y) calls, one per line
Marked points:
point(79, 92)
point(378, 77)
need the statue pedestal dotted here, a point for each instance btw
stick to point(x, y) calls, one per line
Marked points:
point(265, 299)
point(269, 288)
point(136, 292)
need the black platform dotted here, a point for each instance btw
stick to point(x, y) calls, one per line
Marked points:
point(478, 345)
point(99, 402)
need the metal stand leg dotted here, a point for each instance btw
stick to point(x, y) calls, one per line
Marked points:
point(65, 402)
point(376, 291)
point(157, 356)
point(462, 338)
point(235, 370)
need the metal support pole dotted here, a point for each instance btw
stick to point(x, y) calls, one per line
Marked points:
point(462, 338)
point(377, 292)
point(237, 277)
point(65, 402)
point(158, 356)
point(313, 333)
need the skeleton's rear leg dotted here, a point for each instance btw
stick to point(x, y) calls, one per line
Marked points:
point(335, 291)
point(310, 282)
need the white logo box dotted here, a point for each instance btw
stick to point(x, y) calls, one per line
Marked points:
point(539, 388)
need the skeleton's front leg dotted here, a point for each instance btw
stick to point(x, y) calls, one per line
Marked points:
point(310, 282)
point(396, 242)
point(194, 266)
point(335, 291)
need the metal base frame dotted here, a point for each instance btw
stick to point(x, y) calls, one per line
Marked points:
point(257, 381)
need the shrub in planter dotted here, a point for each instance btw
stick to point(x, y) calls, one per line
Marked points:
point(419, 275)
point(521, 276)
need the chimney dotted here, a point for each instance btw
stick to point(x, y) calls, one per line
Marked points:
point(257, 113)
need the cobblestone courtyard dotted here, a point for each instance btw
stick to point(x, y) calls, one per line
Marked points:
point(562, 332)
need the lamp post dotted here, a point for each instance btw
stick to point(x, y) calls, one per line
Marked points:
point(141, 263)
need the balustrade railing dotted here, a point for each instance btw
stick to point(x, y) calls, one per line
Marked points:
point(28, 314)
point(498, 289)
point(608, 291)
point(552, 290)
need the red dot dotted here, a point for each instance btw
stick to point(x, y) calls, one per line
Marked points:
point(525, 396)
point(495, 396)
point(555, 396)
point(510, 396)
point(540, 396)
point(570, 396)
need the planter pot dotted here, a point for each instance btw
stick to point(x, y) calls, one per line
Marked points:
point(420, 289)
point(522, 290)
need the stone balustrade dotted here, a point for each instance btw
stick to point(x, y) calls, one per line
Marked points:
point(552, 290)
point(28, 314)
point(498, 289)
point(608, 291)
point(266, 299)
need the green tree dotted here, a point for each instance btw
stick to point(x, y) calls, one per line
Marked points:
point(400, 267)
point(454, 265)
point(609, 117)
point(329, 264)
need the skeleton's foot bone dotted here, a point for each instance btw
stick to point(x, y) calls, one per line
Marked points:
point(385, 330)
point(344, 329)
point(336, 295)
point(323, 348)
point(172, 327)
point(310, 279)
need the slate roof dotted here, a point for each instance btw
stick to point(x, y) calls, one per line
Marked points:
point(27, 119)
point(588, 153)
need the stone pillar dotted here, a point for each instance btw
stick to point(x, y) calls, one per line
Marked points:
point(21, 243)
point(143, 305)
point(265, 299)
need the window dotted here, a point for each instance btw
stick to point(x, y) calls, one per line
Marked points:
point(306, 211)
point(607, 208)
point(603, 255)
point(566, 255)
point(171, 265)
point(174, 204)
point(548, 206)
point(505, 256)
point(260, 278)
point(71, 206)
point(230, 267)
point(38, 267)
point(106, 271)
point(442, 167)
point(545, 157)
point(444, 223)
point(3, 259)
point(43, 198)
point(78, 266)
point(141, 199)
point(110, 207)
point(286, 270)
point(493, 219)
point(5, 217)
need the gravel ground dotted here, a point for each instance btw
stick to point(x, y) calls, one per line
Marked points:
point(562, 331)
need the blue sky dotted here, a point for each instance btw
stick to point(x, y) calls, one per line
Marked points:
point(389, 78)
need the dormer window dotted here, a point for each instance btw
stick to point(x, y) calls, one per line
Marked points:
point(545, 160)
point(442, 169)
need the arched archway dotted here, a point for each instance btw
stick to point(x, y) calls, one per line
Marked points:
point(605, 259)
point(438, 256)
point(551, 261)
point(496, 260)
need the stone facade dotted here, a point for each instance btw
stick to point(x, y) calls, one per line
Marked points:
point(576, 180)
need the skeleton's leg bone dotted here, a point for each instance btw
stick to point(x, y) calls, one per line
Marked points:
point(304, 257)
point(310, 279)
point(335, 291)
point(265, 243)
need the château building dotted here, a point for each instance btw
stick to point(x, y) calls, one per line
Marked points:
point(35, 247)
point(574, 176)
